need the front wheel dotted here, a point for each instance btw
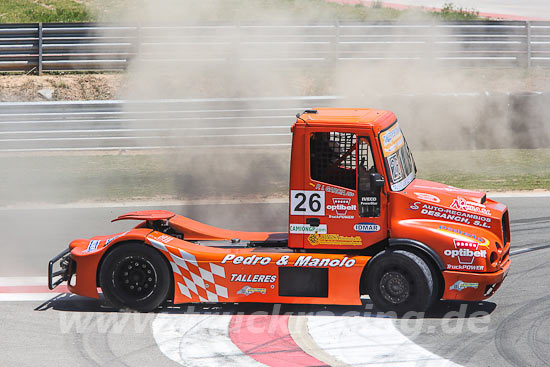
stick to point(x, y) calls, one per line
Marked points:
point(399, 281)
point(134, 276)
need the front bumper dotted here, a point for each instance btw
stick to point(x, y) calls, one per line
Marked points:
point(76, 267)
point(63, 273)
point(473, 286)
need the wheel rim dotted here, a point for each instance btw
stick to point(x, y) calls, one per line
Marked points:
point(135, 278)
point(394, 287)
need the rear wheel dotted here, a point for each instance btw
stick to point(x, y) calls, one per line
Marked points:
point(400, 281)
point(134, 276)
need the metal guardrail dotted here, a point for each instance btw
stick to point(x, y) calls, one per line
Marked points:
point(91, 46)
point(500, 120)
point(142, 125)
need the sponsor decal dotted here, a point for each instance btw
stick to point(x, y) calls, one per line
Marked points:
point(466, 252)
point(366, 227)
point(447, 189)
point(369, 200)
point(414, 206)
point(253, 278)
point(395, 168)
point(92, 246)
point(246, 260)
point(247, 290)
point(332, 263)
point(465, 267)
point(482, 240)
point(427, 197)
point(334, 239)
point(165, 238)
point(114, 238)
point(392, 140)
point(340, 207)
point(404, 183)
point(450, 214)
point(469, 206)
point(307, 229)
point(333, 190)
point(460, 285)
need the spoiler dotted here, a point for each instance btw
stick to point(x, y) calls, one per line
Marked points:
point(152, 215)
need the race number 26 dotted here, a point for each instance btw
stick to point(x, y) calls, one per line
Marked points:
point(307, 202)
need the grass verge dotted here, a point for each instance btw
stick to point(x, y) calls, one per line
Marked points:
point(29, 11)
point(245, 174)
point(22, 11)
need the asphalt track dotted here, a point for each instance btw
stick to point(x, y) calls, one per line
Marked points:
point(511, 328)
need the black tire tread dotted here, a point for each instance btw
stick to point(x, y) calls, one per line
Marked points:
point(415, 265)
point(135, 248)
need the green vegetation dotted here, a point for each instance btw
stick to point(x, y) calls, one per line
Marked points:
point(21, 11)
point(28, 11)
point(496, 169)
point(451, 12)
point(189, 175)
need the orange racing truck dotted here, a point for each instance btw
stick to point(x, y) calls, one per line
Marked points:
point(360, 223)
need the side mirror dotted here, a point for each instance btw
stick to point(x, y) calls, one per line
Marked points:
point(376, 181)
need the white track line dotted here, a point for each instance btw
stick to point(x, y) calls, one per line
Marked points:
point(22, 281)
point(371, 341)
point(198, 340)
point(23, 297)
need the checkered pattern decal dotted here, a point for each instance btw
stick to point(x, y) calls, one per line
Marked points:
point(200, 282)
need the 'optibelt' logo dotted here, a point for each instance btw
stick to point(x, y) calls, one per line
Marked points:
point(341, 206)
point(466, 252)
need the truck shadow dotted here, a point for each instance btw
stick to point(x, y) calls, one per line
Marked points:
point(441, 310)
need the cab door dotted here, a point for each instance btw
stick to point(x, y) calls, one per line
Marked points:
point(371, 221)
point(343, 206)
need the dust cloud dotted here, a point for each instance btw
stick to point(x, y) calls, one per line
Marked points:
point(211, 49)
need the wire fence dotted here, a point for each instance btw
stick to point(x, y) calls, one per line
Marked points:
point(41, 47)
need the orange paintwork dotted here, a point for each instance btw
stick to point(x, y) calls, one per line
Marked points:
point(344, 270)
point(195, 231)
point(88, 262)
point(462, 227)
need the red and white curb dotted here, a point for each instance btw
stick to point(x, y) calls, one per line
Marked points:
point(14, 289)
point(283, 340)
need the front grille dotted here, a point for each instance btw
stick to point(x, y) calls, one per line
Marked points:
point(489, 290)
point(505, 257)
point(505, 232)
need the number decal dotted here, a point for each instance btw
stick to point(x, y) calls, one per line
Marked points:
point(314, 203)
point(299, 207)
point(307, 202)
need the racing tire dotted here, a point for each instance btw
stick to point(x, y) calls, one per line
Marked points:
point(399, 281)
point(134, 276)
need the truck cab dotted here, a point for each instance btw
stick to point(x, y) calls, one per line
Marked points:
point(338, 182)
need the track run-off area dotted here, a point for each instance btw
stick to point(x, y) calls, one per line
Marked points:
point(46, 328)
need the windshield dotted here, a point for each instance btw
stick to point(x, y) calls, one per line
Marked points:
point(397, 158)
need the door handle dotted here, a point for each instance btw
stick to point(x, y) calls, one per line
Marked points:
point(314, 222)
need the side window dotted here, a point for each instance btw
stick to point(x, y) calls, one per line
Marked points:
point(333, 158)
point(369, 199)
point(366, 164)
